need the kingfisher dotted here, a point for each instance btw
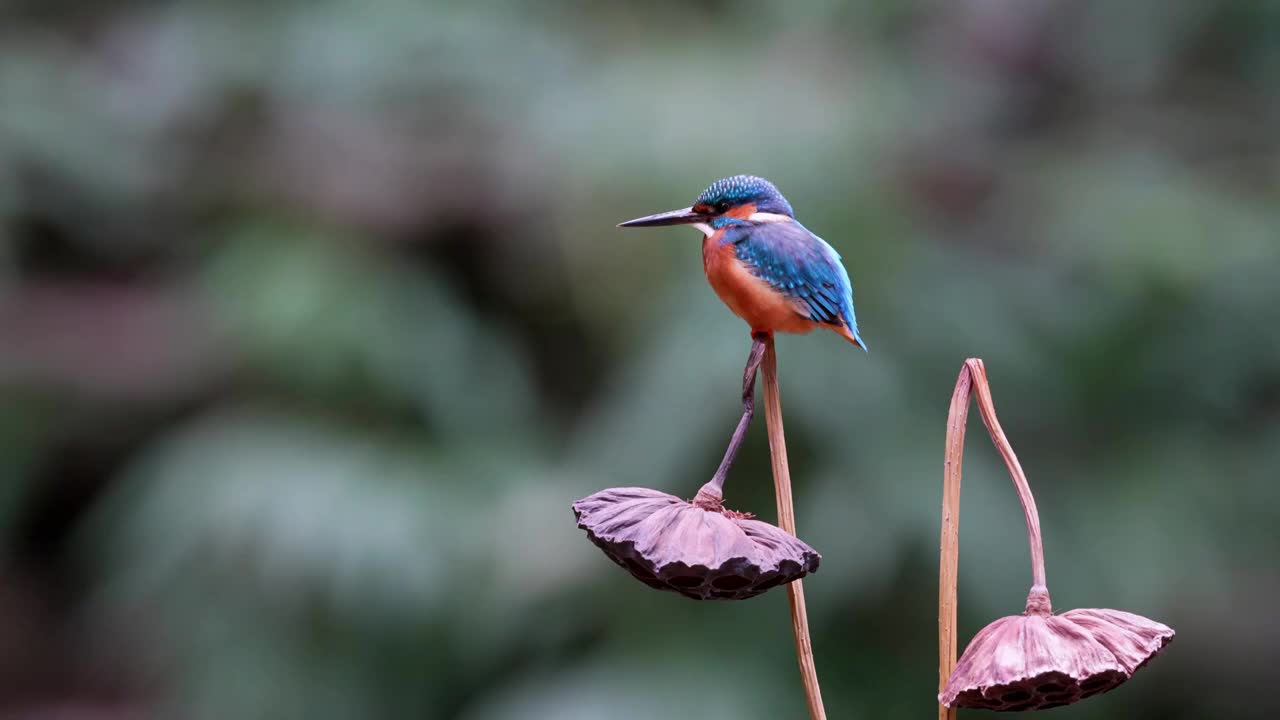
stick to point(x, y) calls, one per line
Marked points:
point(762, 263)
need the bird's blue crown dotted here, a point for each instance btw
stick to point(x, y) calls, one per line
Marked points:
point(741, 189)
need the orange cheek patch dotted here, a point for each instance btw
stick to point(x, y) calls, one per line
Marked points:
point(742, 212)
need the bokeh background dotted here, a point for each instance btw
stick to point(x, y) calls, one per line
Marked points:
point(314, 321)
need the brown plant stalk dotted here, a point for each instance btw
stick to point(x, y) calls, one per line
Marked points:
point(987, 408)
point(949, 566)
point(787, 521)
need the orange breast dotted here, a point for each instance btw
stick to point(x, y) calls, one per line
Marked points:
point(749, 297)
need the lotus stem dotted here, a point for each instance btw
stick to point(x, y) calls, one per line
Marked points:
point(787, 521)
point(1038, 599)
point(949, 565)
point(712, 493)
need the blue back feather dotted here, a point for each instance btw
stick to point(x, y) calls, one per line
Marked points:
point(800, 265)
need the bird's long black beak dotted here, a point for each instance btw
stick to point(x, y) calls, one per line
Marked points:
point(683, 216)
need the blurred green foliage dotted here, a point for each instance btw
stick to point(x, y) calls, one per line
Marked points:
point(313, 322)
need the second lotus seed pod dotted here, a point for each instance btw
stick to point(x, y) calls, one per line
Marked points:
point(1039, 660)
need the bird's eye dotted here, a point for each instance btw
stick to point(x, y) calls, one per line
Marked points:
point(722, 206)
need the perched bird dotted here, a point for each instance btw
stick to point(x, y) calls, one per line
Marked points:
point(767, 267)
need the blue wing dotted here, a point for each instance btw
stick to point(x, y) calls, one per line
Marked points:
point(800, 265)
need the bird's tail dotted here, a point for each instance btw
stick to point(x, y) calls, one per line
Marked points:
point(851, 334)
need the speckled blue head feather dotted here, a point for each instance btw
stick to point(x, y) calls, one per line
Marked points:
point(741, 189)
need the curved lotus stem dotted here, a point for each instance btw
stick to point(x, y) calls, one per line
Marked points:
point(787, 521)
point(1038, 601)
point(711, 495)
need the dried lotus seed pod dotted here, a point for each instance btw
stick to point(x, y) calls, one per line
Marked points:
point(1039, 660)
point(697, 549)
